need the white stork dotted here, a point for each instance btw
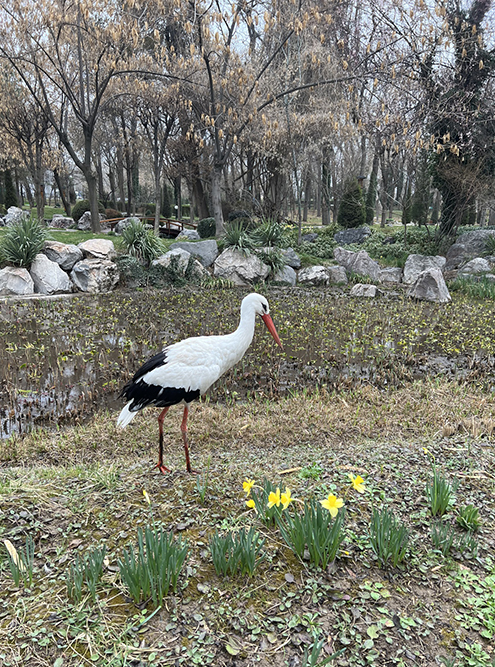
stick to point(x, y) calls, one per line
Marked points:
point(182, 372)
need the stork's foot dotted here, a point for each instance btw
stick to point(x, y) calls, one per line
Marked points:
point(163, 469)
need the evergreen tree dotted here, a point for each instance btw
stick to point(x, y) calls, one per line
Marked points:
point(352, 211)
point(407, 206)
point(10, 193)
point(166, 210)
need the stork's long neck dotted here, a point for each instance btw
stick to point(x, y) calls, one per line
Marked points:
point(236, 343)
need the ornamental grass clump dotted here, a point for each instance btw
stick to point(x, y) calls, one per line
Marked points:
point(389, 537)
point(22, 241)
point(21, 562)
point(141, 242)
point(236, 553)
point(469, 518)
point(440, 493)
point(86, 570)
point(153, 570)
point(318, 528)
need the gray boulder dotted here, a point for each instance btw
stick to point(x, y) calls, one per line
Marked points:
point(337, 274)
point(65, 254)
point(313, 275)
point(360, 290)
point(15, 280)
point(417, 264)
point(241, 269)
point(309, 238)
point(48, 277)
point(179, 258)
point(15, 215)
point(358, 262)
point(291, 258)
point(353, 235)
point(430, 286)
point(95, 275)
point(188, 235)
point(98, 249)
point(476, 266)
point(61, 222)
point(84, 222)
point(286, 276)
point(205, 251)
point(468, 246)
point(391, 274)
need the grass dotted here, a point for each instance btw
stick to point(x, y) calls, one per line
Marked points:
point(77, 487)
point(85, 483)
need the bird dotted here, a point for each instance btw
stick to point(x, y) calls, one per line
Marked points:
point(184, 371)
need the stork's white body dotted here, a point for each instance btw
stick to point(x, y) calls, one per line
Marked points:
point(185, 370)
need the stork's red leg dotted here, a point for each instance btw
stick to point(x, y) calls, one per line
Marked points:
point(183, 428)
point(160, 465)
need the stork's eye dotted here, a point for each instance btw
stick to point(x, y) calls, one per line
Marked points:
point(264, 307)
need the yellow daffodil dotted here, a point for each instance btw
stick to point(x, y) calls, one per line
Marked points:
point(285, 498)
point(146, 497)
point(274, 498)
point(247, 485)
point(332, 504)
point(251, 504)
point(357, 483)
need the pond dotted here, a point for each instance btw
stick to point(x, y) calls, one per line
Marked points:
point(63, 359)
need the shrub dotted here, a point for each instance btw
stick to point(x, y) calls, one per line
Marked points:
point(206, 228)
point(81, 206)
point(22, 242)
point(112, 213)
point(141, 242)
point(352, 211)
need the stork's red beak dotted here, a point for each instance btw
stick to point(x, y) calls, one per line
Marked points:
point(271, 328)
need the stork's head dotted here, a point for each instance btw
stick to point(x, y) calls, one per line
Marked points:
point(260, 306)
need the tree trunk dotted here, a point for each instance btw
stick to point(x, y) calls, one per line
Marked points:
point(63, 194)
point(216, 200)
point(120, 180)
point(93, 201)
point(158, 202)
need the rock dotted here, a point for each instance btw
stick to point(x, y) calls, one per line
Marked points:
point(98, 249)
point(363, 290)
point(95, 275)
point(205, 251)
point(309, 238)
point(353, 235)
point(65, 254)
point(188, 235)
point(48, 277)
point(391, 274)
point(337, 274)
point(181, 262)
point(241, 269)
point(15, 215)
point(15, 280)
point(476, 266)
point(313, 275)
point(430, 286)
point(417, 264)
point(358, 262)
point(467, 246)
point(84, 222)
point(61, 222)
point(291, 258)
point(286, 276)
